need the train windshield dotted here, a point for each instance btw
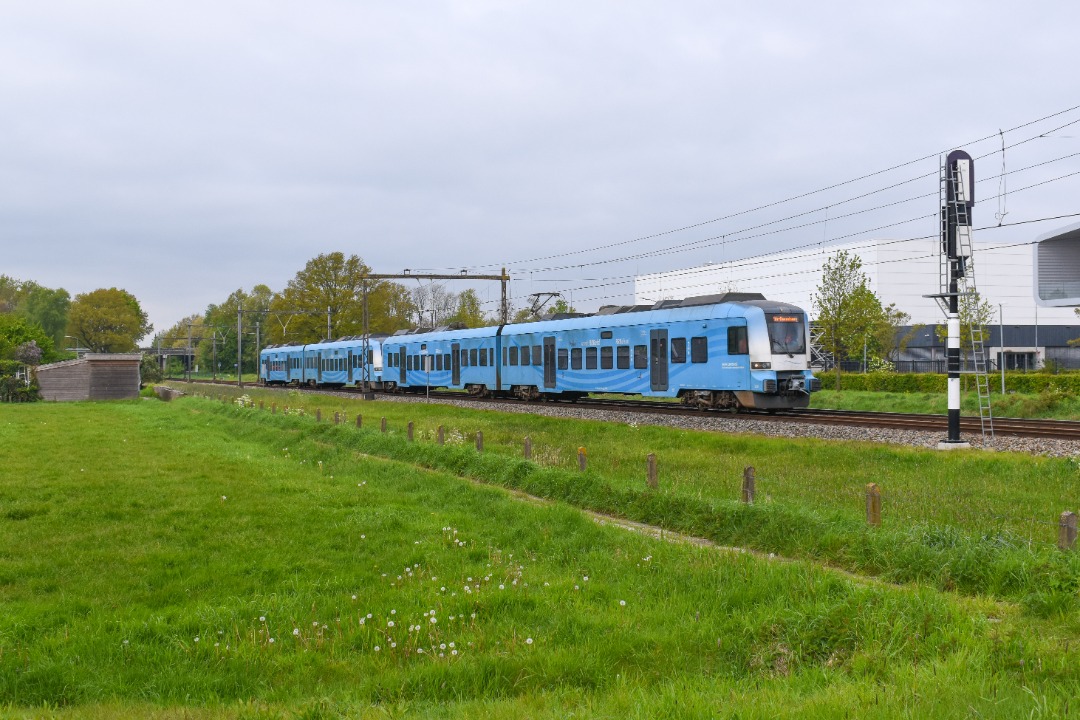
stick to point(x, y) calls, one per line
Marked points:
point(787, 333)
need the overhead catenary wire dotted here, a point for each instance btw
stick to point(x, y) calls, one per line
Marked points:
point(810, 193)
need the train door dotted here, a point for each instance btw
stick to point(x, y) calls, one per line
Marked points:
point(401, 365)
point(349, 372)
point(549, 362)
point(455, 364)
point(658, 360)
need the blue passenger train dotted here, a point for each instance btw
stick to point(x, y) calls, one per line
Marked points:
point(736, 350)
point(731, 351)
point(339, 363)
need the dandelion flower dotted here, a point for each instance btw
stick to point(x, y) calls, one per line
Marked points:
point(434, 620)
point(262, 618)
point(622, 603)
point(271, 641)
point(376, 648)
point(393, 644)
point(528, 641)
point(390, 623)
point(296, 631)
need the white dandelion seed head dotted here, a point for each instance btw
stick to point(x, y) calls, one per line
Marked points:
point(262, 618)
point(393, 644)
point(453, 652)
point(393, 612)
point(528, 641)
point(376, 648)
point(296, 631)
point(271, 641)
point(390, 623)
point(434, 620)
point(622, 603)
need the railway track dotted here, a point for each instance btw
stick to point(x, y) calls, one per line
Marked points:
point(1013, 427)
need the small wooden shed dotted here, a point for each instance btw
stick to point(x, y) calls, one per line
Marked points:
point(94, 376)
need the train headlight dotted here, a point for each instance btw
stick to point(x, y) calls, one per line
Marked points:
point(760, 365)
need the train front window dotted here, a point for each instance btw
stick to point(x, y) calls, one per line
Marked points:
point(787, 333)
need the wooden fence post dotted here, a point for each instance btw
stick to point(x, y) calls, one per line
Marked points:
point(480, 441)
point(383, 425)
point(651, 465)
point(528, 448)
point(359, 420)
point(581, 459)
point(410, 430)
point(873, 504)
point(1067, 530)
point(337, 418)
point(440, 435)
point(318, 414)
point(748, 488)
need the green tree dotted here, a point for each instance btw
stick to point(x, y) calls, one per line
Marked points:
point(334, 281)
point(849, 313)
point(16, 332)
point(108, 320)
point(176, 338)
point(974, 313)
point(47, 308)
point(468, 311)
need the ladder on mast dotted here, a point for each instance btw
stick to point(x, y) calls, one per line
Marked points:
point(956, 212)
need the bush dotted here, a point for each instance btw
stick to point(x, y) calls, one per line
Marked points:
point(1027, 383)
point(14, 388)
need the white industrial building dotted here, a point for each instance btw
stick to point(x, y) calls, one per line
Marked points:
point(900, 272)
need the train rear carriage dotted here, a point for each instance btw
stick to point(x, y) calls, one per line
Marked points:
point(456, 359)
point(281, 365)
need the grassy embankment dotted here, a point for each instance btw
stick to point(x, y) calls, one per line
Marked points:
point(204, 556)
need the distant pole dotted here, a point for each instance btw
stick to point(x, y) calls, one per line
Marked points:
point(1001, 329)
point(328, 338)
point(258, 349)
point(189, 351)
point(503, 306)
point(239, 342)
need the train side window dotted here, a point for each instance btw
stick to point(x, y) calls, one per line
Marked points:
point(446, 361)
point(438, 362)
point(538, 355)
point(408, 362)
point(564, 358)
point(491, 357)
point(678, 350)
point(641, 357)
point(606, 357)
point(699, 350)
point(590, 358)
point(513, 355)
point(483, 357)
point(605, 334)
point(464, 358)
point(622, 359)
point(525, 355)
point(736, 341)
point(474, 357)
point(575, 359)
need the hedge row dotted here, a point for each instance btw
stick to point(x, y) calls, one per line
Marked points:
point(1033, 383)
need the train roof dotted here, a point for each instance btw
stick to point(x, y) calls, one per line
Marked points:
point(349, 341)
point(694, 308)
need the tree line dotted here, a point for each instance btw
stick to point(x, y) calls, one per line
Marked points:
point(325, 299)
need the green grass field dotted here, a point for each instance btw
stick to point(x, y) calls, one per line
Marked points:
point(198, 559)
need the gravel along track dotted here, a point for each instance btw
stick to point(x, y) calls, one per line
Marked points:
point(758, 425)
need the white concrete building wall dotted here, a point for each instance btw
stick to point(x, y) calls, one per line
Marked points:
point(900, 273)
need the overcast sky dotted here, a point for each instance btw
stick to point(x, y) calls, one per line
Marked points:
point(182, 150)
